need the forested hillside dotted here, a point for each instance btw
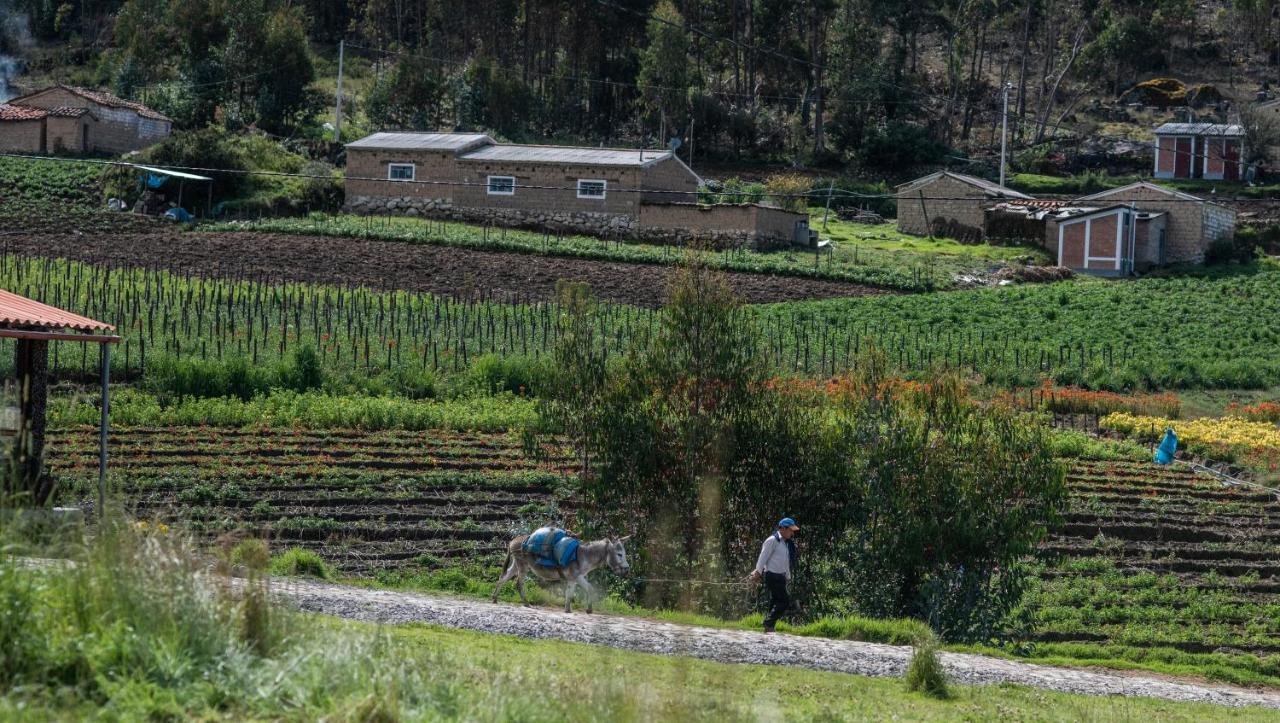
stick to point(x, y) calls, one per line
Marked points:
point(880, 85)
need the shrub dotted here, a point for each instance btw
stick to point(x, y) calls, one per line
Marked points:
point(300, 562)
point(521, 375)
point(790, 192)
point(925, 673)
point(1240, 247)
point(252, 554)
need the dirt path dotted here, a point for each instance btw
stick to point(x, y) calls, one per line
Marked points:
point(398, 265)
point(735, 646)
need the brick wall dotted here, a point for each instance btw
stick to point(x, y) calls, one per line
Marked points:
point(428, 166)
point(545, 187)
point(21, 137)
point(668, 175)
point(1072, 245)
point(67, 134)
point(1185, 241)
point(724, 225)
point(1167, 153)
point(968, 211)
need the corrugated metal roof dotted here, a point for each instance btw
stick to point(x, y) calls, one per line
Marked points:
point(1200, 129)
point(20, 311)
point(988, 186)
point(20, 113)
point(421, 141)
point(570, 155)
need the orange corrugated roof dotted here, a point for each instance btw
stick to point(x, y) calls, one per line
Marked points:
point(20, 311)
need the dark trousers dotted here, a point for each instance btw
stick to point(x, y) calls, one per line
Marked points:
point(777, 584)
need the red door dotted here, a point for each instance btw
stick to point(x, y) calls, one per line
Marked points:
point(1231, 160)
point(1182, 158)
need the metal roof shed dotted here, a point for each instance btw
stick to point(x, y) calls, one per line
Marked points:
point(34, 325)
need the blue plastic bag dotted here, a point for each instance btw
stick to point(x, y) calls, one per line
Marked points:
point(1168, 447)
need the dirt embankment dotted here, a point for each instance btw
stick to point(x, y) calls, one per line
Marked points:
point(398, 265)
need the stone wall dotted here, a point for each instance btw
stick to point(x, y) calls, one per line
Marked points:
point(723, 226)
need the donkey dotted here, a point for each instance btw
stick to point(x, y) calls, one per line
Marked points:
point(590, 556)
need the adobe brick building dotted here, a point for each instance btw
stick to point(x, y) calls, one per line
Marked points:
point(948, 200)
point(1193, 222)
point(632, 193)
point(78, 120)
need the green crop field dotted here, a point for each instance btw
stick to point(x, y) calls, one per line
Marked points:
point(1217, 331)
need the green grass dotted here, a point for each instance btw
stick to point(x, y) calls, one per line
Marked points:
point(859, 242)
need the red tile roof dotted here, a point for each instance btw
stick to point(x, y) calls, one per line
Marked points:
point(19, 113)
point(66, 111)
point(99, 97)
point(19, 311)
point(104, 98)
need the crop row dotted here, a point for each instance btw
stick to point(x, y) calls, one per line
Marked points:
point(360, 329)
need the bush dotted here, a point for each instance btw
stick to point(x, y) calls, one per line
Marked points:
point(1240, 248)
point(789, 192)
point(925, 673)
point(300, 562)
point(251, 554)
point(520, 375)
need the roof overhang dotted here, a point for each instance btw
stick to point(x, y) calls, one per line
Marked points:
point(172, 174)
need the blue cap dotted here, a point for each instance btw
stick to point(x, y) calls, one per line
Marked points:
point(786, 522)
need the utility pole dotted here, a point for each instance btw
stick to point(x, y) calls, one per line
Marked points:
point(1004, 130)
point(337, 109)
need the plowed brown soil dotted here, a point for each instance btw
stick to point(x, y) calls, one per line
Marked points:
point(398, 265)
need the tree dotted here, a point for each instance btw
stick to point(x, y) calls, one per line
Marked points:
point(410, 96)
point(282, 97)
point(664, 67)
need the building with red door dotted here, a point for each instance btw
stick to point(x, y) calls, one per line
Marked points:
point(1213, 151)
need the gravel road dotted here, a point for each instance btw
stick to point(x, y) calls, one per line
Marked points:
point(734, 646)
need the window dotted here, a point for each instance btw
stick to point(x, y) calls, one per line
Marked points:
point(502, 186)
point(400, 172)
point(590, 189)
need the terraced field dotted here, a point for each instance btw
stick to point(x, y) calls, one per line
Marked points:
point(1149, 557)
point(1153, 557)
point(365, 501)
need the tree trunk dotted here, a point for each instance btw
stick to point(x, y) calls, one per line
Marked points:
point(1022, 73)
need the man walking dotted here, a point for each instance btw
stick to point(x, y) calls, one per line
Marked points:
point(777, 556)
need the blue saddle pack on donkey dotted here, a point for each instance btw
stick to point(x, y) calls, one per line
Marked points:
point(552, 546)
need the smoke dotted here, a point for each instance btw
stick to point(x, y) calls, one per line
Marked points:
point(15, 34)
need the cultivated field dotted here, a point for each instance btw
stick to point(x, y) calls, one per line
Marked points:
point(365, 501)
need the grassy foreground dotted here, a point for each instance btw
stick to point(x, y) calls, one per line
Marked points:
point(138, 628)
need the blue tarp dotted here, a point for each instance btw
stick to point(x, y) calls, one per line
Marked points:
point(552, 546)
point(155, 181)
point(1168, 447)
point(179, 214)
